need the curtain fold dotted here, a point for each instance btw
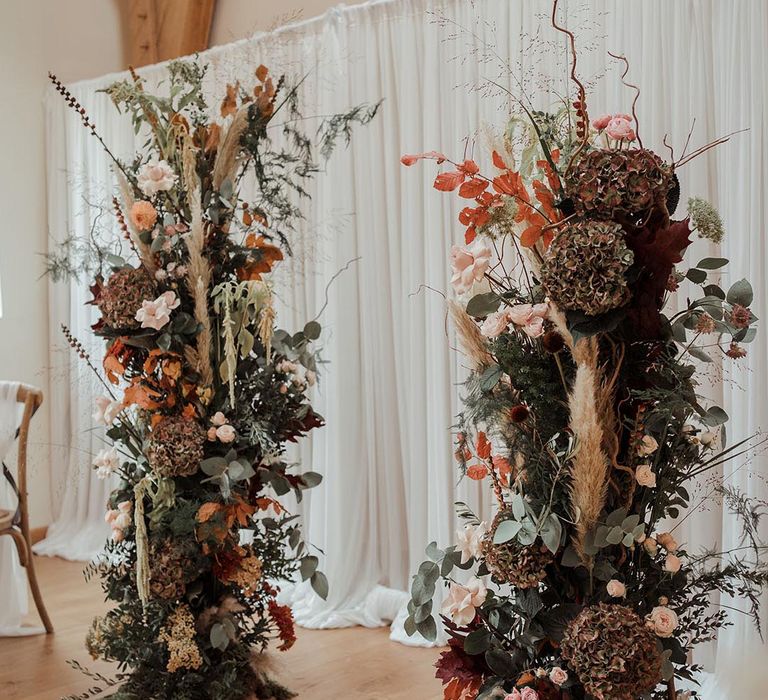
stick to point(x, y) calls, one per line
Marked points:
point(391, 388)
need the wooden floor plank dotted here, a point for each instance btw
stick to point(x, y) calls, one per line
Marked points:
point(354, 663)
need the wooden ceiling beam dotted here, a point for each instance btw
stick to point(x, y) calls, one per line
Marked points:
point(158, 30)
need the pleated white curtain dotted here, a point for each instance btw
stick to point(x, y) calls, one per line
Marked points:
point(391, 388)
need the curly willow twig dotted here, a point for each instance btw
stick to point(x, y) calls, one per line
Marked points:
point(581, 103)
point(623, 59)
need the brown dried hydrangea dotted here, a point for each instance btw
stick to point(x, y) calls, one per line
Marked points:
point(612, 651)
point(513, 563)
point(176, 447)
point(173, 564)
point(179, 635)
point(121, 298)
point(623, 185)
point(585, 268)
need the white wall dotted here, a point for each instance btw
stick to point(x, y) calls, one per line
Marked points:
point(76, 39)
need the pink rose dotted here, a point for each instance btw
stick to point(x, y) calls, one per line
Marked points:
point(663, 621)
point(529, 694)
point(620, 129)
point(558, 676)
point(218, 419)
point(645, 475)
point(601, 122)
point(651, 546)
point(672, 563)
point(122, 521)
point(647, 446)
point(616, 589)
point(495, 324)
point(125, 506)
point(110, 515)
point(530, 317)
point(469, 264)
point(225, 433)
point(625, 117)
point(118, 535)
point(156, 314)
point(212, 433)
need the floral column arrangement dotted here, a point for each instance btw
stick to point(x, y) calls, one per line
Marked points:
point(202, 391)
point(582, 413)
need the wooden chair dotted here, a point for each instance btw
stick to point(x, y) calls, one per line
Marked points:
point(16, 524)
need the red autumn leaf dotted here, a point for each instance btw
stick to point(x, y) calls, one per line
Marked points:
point(477, 472)
point(530, 236)
point(483, 446)
point(410, 158)
point(469, 235)
point(498, 161)
point(447, 182)
point(473, 188)
point(469, 167)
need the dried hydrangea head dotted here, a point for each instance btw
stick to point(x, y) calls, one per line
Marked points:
point(174, 563)
point(613, 652)
point(179, 635)
point(176, 447)
point(513, 563)
point(585, 268)
point(623, 185)
point(705, 219)
point(121, 298)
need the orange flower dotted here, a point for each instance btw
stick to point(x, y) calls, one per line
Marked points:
point(143, 215)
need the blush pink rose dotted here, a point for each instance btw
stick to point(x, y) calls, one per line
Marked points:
point(620, 129)
point(514, 695)
point(469, 264)
point(155, 176)
point(530, 317)
point(225, 433)
point(218, 419)
point(645, 476)
point(461, 602)
point(616, 589)
point(558, 676)
point(495, 324)
point(672, 563)
point(667, 540)
point(529, 694)
point(602, 121)
point(663, 621)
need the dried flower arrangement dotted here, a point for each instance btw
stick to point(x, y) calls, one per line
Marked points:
point(581, 411)
point(202, 390)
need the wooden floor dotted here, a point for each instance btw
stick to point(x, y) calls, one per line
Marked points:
point(347, 664)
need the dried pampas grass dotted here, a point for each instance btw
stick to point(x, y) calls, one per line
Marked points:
point(198, 268)
point(470, 338)
point(143, 249)
point(228, 158)
point(589, 466)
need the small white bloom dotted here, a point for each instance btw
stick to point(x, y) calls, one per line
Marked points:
point(106, 410)
point(470, 541)
point(106, 463)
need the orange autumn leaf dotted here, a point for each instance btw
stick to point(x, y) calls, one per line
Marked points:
point(265, 502)
point(156, 418)
point(212, 138)
point(477, 472)
point(189, 411)
point(503, 467)
point(498, 161)
point(207, 511)
point(229, 103)
point(268, 256)
point(526, 679)
point(483, 446)
point(113, 368)
point(261, 73)
point(473, 188)
point(142, 397)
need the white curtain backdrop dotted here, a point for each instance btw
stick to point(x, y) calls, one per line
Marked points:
point(391, 388)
